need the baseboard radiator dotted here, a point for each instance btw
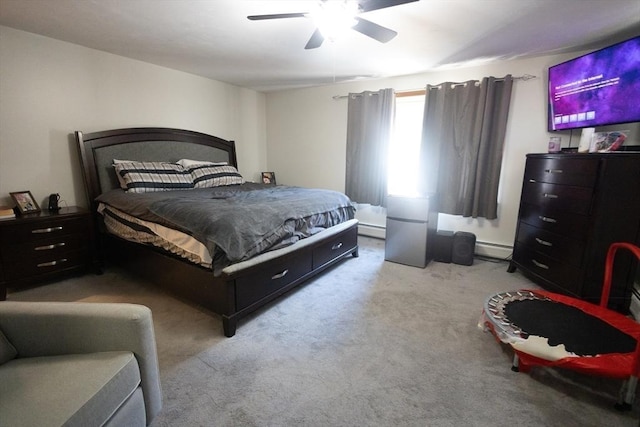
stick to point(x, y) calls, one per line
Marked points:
point(493, 250)
point(487, 249)
point(372, 230)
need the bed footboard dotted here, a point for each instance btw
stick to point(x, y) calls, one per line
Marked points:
point(244, 290)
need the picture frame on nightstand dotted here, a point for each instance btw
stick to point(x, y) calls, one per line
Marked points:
point(25, 202)
point(269, 178)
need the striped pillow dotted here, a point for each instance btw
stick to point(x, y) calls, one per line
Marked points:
point(145, 177)
point(205, 176)
point(188, 163)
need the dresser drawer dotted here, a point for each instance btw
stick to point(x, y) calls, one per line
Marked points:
point(558, 197)
point(339, 245)
point(44, 248)
point(561, 274)
point(565, 223)
point(566, 171)
point(32, 231)
point(556, 246)
point(255, 286)
point(45, 264)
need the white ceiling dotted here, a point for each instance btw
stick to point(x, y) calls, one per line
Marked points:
point(214, 39)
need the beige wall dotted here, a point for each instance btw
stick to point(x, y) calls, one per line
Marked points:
point(49, 89)
point(306, 134)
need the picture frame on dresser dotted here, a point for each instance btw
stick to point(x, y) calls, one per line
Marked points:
point(25, 202)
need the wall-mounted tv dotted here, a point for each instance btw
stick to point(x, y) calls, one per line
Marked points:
point(597, 89)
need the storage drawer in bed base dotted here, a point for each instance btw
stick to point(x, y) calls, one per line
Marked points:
point(260, 286)
point(334, 247)
point(257, 285)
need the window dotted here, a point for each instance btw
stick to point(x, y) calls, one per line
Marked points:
point(404, 149)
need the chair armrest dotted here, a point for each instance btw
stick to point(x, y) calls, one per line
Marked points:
point(57, 328)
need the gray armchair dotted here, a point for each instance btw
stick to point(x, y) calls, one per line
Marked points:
point(85, 364)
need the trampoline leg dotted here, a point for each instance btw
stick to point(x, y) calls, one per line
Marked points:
point(627, 394)
point(515, 367)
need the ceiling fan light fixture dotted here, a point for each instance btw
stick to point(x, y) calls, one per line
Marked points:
point(334, 18)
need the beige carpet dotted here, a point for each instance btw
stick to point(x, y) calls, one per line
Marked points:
point(368, 343)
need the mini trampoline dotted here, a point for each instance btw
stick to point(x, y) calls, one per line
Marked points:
point(548, 329)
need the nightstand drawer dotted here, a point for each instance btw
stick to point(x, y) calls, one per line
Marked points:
point(32, 231)
point(51, 247)
point(45, 264)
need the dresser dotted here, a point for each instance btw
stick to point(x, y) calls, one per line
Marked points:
point(42, 246)
point(572, 207)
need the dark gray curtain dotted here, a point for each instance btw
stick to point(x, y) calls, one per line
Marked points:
point(463, 136)
point(369, 124)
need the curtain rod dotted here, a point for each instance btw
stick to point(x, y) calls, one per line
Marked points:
point(412, 92)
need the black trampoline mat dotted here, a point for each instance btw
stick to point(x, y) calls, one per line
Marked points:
point(580, 332)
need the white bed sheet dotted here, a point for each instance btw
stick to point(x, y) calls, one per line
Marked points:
point(172, 240)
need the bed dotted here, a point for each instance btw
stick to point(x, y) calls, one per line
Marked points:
point(176, 251)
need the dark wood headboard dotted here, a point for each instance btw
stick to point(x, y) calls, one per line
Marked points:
point(98, 149)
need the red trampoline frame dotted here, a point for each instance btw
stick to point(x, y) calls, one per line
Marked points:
point(614, 365)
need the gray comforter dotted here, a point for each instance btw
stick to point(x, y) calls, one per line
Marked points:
point(238, 222)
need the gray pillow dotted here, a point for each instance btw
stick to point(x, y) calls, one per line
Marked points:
point(7, 350)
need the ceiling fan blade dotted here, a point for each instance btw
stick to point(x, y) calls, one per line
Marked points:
point(375, 31)
point(276, 16)
point(315, 40)
point(369, 5)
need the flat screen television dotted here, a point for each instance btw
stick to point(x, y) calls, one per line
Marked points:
point(597, 89)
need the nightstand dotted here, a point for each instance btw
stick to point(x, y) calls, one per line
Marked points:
point(43, 246)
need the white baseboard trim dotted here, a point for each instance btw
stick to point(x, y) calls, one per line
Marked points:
point(487, 249)
point(372, 231)
point(493, 250)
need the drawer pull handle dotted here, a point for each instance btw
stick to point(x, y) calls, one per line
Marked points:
point(547, 219)
point(553, 170)
point(46, 230)
point(543, 242)
point(279, 275)
point(52, 263)
point(47, 247)
point(533, 181)
point(550, 196)
point(539, 264)
point(336, 246)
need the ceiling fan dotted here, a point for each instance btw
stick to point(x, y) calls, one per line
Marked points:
point(332, 16)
